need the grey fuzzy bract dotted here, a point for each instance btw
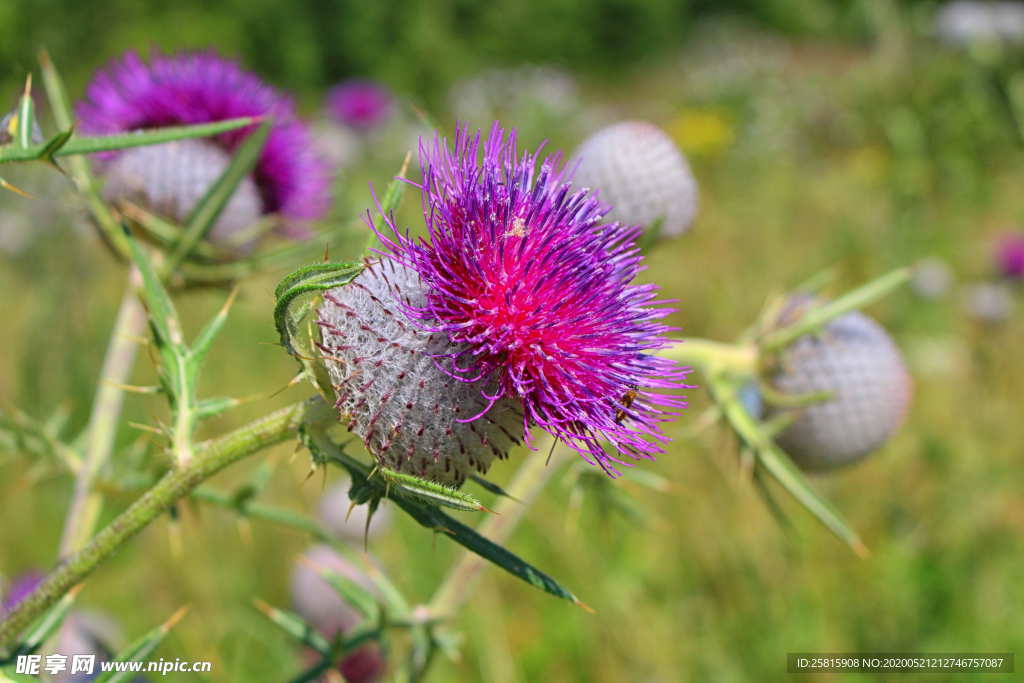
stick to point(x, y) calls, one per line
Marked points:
point(855, 360)
point(171, 178)
point(392, 392)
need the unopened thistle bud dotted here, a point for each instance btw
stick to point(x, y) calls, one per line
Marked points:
point(857, 364)
point(636, 168)
point(518, 310)
point(320, 605)
point(289, 179)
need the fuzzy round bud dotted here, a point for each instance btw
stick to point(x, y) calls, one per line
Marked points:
point(319, 604)
point(636, 168)
point(409, 411)
point(989, 302)
point(855, 361)
point(931, 278)
point(171, 178)
point(1009, 256)
point(333, 513)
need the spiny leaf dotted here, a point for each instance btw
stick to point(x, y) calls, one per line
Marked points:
point(429, 491)
point(202, 218)
point(141, 649)
point(295, 626)
point(349, 591)
point(390, 203)
point(140, 138)
point(818, 317)
point(778, 464)
point(431, 517)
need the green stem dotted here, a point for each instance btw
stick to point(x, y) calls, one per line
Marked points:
point(529, 481)
point(714, 356)
point(211, 458)
point(87, 502)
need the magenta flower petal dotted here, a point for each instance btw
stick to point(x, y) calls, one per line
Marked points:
point(201, 87)
point(536, 291)
point(1009, 256)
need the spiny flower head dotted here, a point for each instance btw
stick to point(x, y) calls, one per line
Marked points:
point(360, 104)
point(193, 88)
point(534, 295)
point(636, 168)
point(1009, 256)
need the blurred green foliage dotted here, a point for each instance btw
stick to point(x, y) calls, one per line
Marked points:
point(866, 151)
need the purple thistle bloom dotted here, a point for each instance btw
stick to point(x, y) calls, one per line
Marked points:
point(193, 88)
point(21, 587)
point(360, 104)
point(533, 292)
point(1009, 256)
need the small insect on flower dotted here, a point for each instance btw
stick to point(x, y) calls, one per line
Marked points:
point(517, 310)
point(290, 180)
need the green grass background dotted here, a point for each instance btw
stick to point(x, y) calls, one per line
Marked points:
point(863, 156)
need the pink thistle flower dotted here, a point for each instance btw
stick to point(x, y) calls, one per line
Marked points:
point(534, 297)
point(193, 88)
point(1009, 256)
point(360, 104)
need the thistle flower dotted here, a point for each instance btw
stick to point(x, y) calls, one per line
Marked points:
point(319, 604)
point(1009, 256)
point(335, 516)
point(360, 104)
point(517, 310)
point(635, 167)
point(19, 589)
point(190, 88)
point(857, 363)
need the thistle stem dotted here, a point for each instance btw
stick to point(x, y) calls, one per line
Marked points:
point(714, 356)
point(211, 457)
point(86, 501)
point(529, 481)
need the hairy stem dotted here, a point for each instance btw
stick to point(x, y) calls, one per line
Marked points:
point(87, 502)
point(533, 475)
point(211, 457)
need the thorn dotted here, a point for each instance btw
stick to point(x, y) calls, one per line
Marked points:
point(230, 300)
point(584, 606)
point(327, 251)
point(245, 531)
point(134, 388)
point(174, 619)
point(298, 447)
point(351, 507)
point(263, 607)
point(484, 508)
point(146, 428)
point(551, 452)
point(44, 58)
point(312, 471)
point(174, 540)
point(405, 164)
point(7, 186)
point(859, 549)
point(28, 85)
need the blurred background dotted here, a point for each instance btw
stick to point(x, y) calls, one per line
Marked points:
point(861, 135)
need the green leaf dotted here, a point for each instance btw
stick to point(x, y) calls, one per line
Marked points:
point(209, 208)
point(141, 649)
point(351, 592)
point(211, 407)
point(295, 626)
point(490, 486)
point(392, 200)
point(431, 517)
point(778, 464)
point(296, 295)
point(140, 138)
point(201, 344)
point(818, 317)
point(25, 116)
point(428, 491)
